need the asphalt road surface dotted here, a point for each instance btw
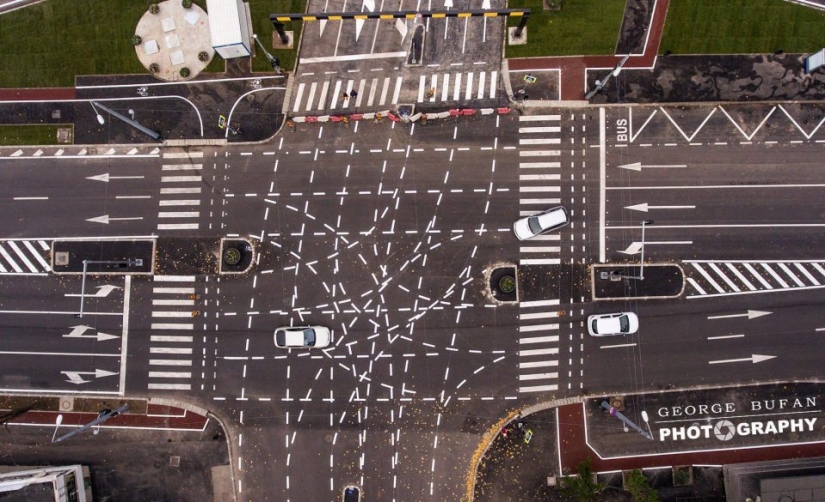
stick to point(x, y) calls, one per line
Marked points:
point(385, 234)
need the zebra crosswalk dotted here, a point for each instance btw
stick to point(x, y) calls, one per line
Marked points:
point(181, 184)
point(171, 344)
point(381, 92)
point(722, 278)
point(24, 257)
point(539, 182)
point(538, 346)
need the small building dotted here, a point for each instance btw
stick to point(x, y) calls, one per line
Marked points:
point(229, 28)
point(45, 484)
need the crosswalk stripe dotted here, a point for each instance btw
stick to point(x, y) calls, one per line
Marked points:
point(532, 165)
point(181, 179)
point(539, 189)
point(23, 257)
point(539, 201)
point(169, 191)
point(538, 376)
point(173, 325)
point(170, 350)
point(422, 82)
point(170, 374)
point(384, 90)
point(324, 92)
point(538, 352)
point(546, 237)
point(173, 302)
point(758, 276)
point(298, 95)
point(170, 362)
point(538, 315)
point(445, 87)
point(740, 276)
point(180, 202)
point(181, 167)
point(178, 214)
point(540, 261)
point(774, 275)
point(538, 303)
point(182, 155)
point(457, 87)
point(538, 118)
point(540, 249)
point(539, 177)
point(493, 80)
point(539, 339)
point(171, 339)
point(539, 388)
point(537, 327)
point(173, 278)
point(539, 153)
point(397, 91)
point(173, 291)
point(468, 90)
point(539, 141)
point(528, 130)
point(481, 81)
point(538, 364)
point(178, 226)
point(169, 386)
point(36, 255)
point(174, 313)
point(312, 88)
point(791, 274)
point(807, 274)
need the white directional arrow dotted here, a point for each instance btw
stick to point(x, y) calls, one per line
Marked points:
point(105, 177)
point(644, 207)
point(755, 358)
point(102, 291)
point(77, 332)
point(75, 378)
point(750, 314)
point(105, 219)
point(485, 4)
point(634, 248)
point(637, 166)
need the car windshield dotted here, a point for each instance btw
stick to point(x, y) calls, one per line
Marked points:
point(595, 326)
point(309, 337)
point(624, 324)
point(535, 226)
point(280, 337)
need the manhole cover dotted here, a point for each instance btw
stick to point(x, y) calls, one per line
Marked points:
point(174, 461)
point(61, 258)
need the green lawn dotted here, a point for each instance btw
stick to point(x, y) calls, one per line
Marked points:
point(741, 26)
point(47, 44)
point(581, 27)
point(29, 134)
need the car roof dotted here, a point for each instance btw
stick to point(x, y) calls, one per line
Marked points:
point(553, 217)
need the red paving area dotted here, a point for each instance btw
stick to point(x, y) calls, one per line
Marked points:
point(38, 94)
point(157, 417)
point(573, 68)
point(574, 450)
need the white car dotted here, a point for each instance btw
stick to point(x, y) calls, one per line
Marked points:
point(620, 323)
point(537, 224)
point(303, 337)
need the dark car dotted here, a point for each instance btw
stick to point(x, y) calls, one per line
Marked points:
point(352, 494)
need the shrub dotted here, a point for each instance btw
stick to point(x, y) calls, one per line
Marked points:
point(184, 72)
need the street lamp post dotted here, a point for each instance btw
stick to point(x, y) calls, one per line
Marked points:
point(57, 423)
point(641, 275)
point(601, 83)
point(275, 62)
point(97, 113)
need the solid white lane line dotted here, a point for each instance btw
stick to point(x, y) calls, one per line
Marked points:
point(353, 57)
point(618, 346)
point(602, 183)
point(124, 336)
point(182, 155)
point(178, 226)
point(677, 187)
point(724, 337)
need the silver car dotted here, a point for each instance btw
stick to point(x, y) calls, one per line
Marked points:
point(303, 337)
point(542, 223)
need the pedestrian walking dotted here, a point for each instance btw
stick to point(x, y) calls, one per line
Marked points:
point(353, 94)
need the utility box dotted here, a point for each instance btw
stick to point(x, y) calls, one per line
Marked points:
point(229, 28)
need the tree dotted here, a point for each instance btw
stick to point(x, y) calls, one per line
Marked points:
point(580, 488)
point(640, 491)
